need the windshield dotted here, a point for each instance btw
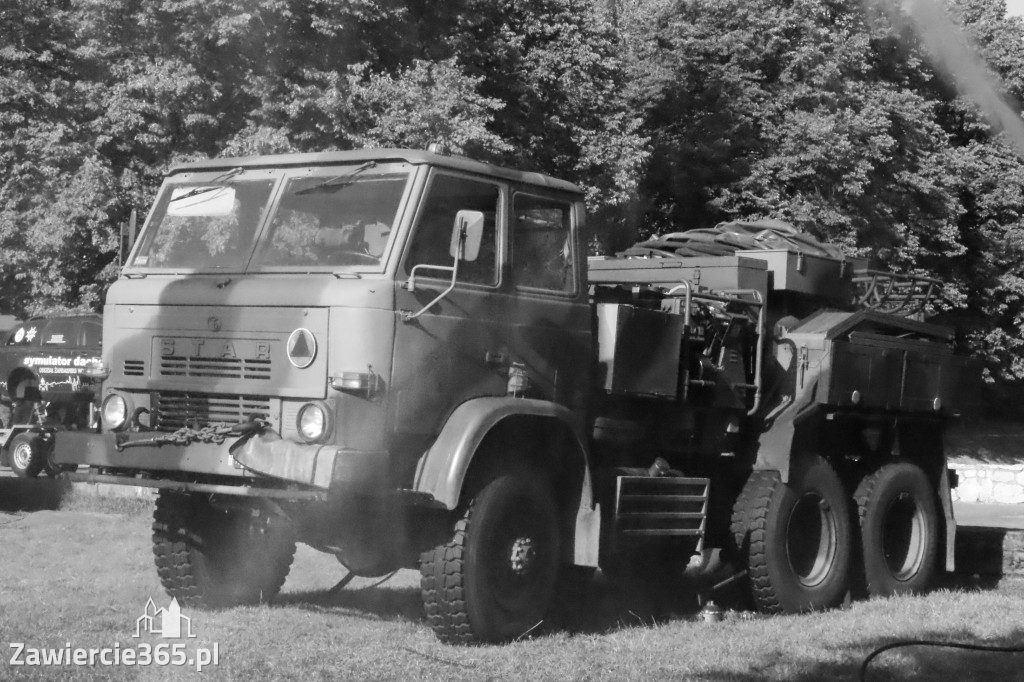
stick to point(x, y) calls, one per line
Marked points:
point(345, 220)
point(204, 226)
point(341, 218)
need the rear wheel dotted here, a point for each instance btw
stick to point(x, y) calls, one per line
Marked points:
point(26, 455)
point(494, 580)
point(212, 557)
point(796, 538)
point(899, 526)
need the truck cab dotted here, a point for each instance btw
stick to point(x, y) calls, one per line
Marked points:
point(341, 339)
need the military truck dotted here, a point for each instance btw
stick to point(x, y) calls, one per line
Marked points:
point(403, 358)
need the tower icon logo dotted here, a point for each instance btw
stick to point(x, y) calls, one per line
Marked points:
point(169, 623)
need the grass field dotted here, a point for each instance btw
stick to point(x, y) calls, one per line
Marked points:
point(82, 575)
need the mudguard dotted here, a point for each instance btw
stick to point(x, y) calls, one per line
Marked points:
point(442, 470)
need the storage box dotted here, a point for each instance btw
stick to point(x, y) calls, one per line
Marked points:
point(638, 350)
point(719, 273)
point(805, 273)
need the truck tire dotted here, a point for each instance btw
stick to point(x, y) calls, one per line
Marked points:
point(26, 455)
point(899, 528)
point(796, 538)
point(494, 580)
point(215, 558)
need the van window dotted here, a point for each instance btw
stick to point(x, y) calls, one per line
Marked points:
point(92, 333)
point(60, 333)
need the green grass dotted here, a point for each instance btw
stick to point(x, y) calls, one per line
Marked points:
point(83, 576)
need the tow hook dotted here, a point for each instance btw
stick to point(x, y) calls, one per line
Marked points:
point(253, 426)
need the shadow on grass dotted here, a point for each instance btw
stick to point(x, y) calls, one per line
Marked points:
point(602, 606)
point(984, 554)
point(915, 660)
point(32, 494)
point(987, 441)
point(606, 605)
point(377, 603)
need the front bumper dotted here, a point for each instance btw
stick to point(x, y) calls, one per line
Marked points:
point(265, 456)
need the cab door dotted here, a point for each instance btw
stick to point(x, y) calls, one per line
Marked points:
point(458, 349)
point(551, 338)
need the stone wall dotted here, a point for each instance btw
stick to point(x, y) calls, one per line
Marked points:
point(988, 483)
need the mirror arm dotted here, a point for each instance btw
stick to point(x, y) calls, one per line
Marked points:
point(411, 286)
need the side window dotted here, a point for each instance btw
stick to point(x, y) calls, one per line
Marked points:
point(542, 248)
point(92, 334)
point(60, 333)
point(446, 196)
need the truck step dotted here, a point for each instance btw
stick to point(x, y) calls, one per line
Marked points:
point(665, 506)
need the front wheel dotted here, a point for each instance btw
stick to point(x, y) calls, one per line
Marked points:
point(26, 455)
point(899, 526)
point(211, 557)
point(796, 538)
point(494, 580)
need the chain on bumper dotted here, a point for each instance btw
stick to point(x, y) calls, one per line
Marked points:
point(214, 434)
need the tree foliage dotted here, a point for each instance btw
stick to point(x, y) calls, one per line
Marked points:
point(845, 117)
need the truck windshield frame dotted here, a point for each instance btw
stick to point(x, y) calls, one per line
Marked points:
point(276, 221)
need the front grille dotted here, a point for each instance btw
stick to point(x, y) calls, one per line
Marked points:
point(216, 368)
point(134, 368)
point(173, 410)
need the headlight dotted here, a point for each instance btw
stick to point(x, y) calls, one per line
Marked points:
point(114, 411)
point(96, 370)
point(313, 421)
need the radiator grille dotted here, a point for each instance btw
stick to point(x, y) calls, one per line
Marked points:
point(215, 368)
point(173, 410)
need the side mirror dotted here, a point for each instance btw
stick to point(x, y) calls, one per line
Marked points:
point(468, 230)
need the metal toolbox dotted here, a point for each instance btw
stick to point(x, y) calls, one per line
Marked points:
point(805, 273)
point(872, 371)
point(638, 350)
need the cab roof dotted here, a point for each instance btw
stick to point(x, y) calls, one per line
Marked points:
point(413, 156)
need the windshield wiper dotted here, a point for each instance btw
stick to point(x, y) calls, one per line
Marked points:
point(203, 190)
point(338, 181)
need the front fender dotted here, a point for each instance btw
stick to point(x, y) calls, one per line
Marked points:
point(442, 470)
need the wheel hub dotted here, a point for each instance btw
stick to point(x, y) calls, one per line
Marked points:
point(522, 555)
point(904, 543)
point(21, 456)
point(812, 539)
